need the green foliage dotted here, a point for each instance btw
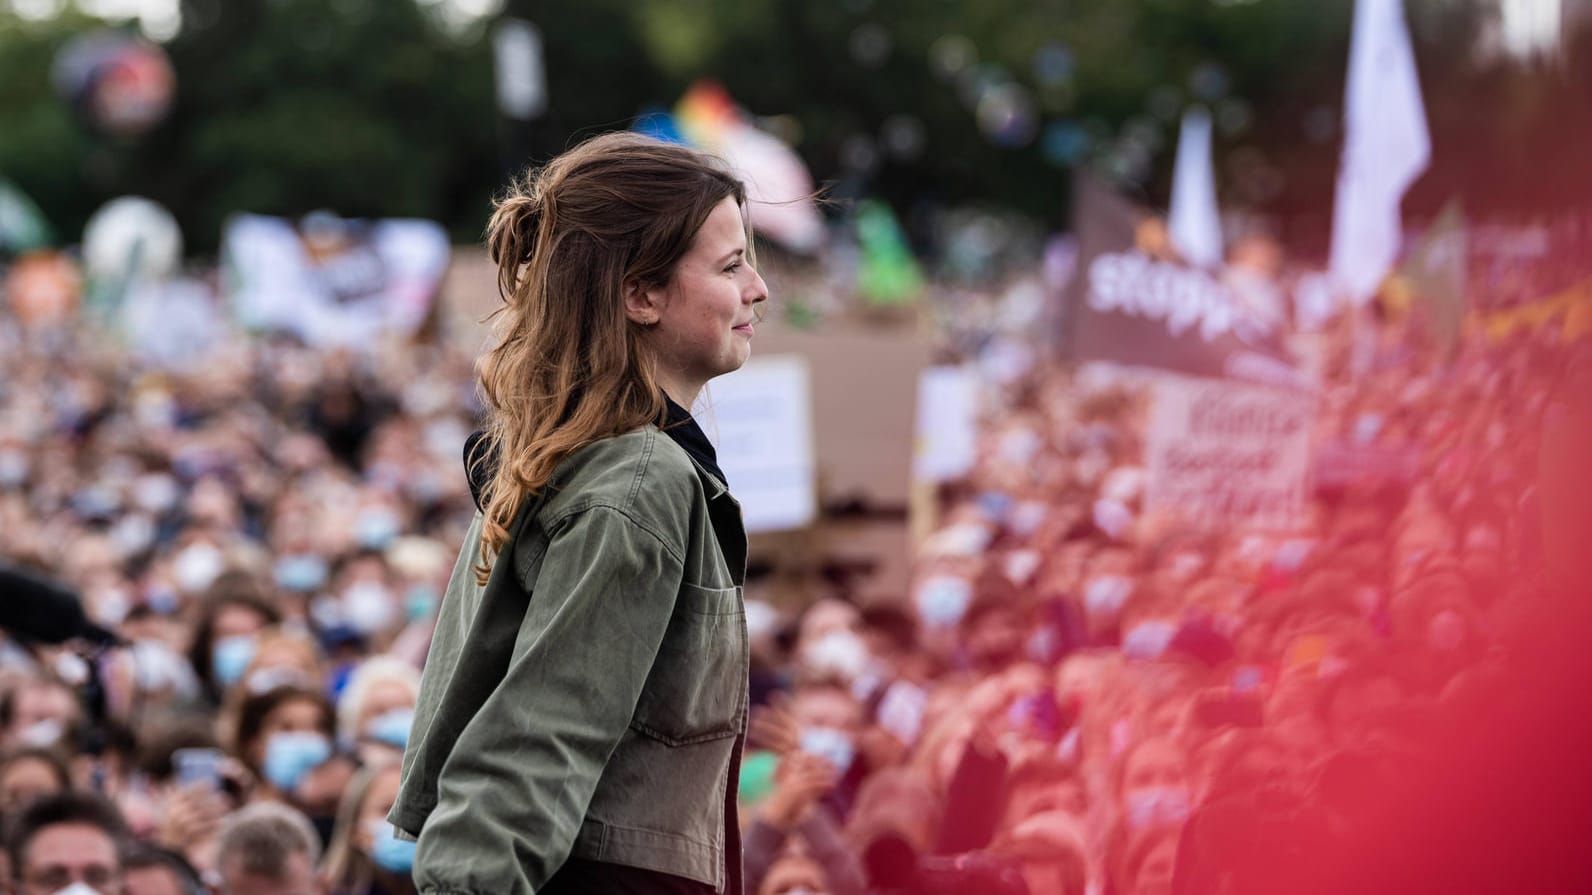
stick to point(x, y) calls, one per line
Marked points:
point(369, 107)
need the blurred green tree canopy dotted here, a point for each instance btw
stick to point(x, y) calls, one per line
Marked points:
point(379, 107)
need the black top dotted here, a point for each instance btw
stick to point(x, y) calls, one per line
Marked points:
point(678, 425)
point(582, 877)
point(683, 428)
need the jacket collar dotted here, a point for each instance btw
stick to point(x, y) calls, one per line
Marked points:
point(715, 487)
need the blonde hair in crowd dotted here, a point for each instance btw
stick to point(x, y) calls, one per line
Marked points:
point(568, 367)
point(345, 868)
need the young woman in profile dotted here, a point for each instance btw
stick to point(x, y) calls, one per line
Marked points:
point(583, 708)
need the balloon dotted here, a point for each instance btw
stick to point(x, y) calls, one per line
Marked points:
point(132, 237)
point(117, 83)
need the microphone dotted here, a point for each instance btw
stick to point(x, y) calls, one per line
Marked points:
point(35, 609)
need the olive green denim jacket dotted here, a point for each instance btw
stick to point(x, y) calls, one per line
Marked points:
point(590, 700)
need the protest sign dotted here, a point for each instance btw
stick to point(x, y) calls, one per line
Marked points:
point(947, 424)
point(1132, 303)
point(760, 420)
point(1221, 452)
point(333, 281)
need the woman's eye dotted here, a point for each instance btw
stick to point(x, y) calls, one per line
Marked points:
point(733, 267)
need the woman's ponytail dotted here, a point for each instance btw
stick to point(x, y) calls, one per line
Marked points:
point(513, 232)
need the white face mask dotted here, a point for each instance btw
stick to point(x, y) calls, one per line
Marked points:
point(369, 607)
point(78, 889)
point(156, 667)
point(133, 533)
point(1156, 804)
point(963, 539)
point(42, 734)
point(1112, 517)
point(196, 567)
point(1105, 595)
point(943, 600)
point(13, 468)
point(1021, 565)
point(111, 606)
point(838, 652)
point(156, 493)
point(1148, 639)
point(1026, 517)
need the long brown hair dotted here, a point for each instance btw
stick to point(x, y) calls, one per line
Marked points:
point(345, 868)
point(569, 367)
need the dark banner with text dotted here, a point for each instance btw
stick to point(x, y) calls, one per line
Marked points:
point(1133, 303)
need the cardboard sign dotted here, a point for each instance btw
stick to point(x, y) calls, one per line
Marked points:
point(1221, 453)
point(947, 426)
point(760, 421)
point(333, 282)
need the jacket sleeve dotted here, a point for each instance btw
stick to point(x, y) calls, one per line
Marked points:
point(515, 787)
point(842, 868)
point(762, 845)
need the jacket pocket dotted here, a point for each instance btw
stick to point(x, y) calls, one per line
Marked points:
point(697, 687)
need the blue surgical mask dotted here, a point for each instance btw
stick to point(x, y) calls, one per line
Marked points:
point(390, 853)
point(303, 572)
point(161, 599)
point(995, 504)
point(391, 728)
point(943, 600)
point(420, 602)
point(229, 658)
point(376, 528)
point(832, 745)
point(289, 756)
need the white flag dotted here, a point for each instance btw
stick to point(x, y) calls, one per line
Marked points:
point(1385, 148)
point(1196, 225)
point(521, 78)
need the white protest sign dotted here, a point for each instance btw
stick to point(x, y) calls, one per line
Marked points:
point(947, 424)
point(333, 281)
point(1221, 452)
point(521, 76)
point(760, 421)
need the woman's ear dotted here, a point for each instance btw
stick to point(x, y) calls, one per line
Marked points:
point(643, 306)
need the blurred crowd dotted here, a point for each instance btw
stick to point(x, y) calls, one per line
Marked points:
point(269, 536)
point(1088, 694)
point(1079, 695)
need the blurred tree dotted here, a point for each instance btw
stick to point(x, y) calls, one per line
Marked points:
point(374, 107)
point(283, 106)
point(42, 150)
point(365, 107)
